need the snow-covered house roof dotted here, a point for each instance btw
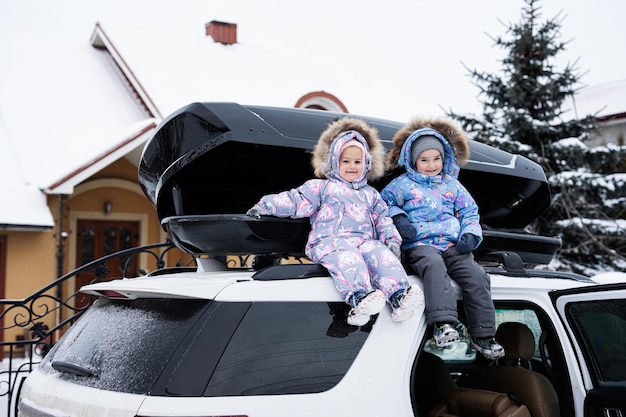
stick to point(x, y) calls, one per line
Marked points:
point(607, 101)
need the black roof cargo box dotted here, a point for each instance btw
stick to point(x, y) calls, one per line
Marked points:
point(219, 158)
point(222, 157)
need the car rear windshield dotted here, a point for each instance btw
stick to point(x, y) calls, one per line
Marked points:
point(169, 347)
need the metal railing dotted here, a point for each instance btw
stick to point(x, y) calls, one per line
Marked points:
point(47, 305)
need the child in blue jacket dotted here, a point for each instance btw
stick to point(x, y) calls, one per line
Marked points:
point(440, 226)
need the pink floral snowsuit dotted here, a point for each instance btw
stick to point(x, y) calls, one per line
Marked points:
point(350, 224)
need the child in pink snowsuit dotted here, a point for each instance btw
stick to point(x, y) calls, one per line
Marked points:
point(351, 234)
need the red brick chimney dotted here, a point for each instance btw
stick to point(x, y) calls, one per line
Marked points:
point(222, 32)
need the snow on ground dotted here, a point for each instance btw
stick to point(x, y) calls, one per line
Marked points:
point(10, 370)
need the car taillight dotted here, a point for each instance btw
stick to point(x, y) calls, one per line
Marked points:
point(116, 295)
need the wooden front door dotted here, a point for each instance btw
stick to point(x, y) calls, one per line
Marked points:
point(98, 238)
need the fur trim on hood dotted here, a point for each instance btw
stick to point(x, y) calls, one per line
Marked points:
point(320, 160)
point(453, 133)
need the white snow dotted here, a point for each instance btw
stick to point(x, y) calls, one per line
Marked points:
point(4, 379)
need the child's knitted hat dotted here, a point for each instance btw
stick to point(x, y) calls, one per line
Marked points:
point(423, 143)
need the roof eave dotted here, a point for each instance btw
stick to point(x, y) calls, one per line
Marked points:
point(66, 184)
point(99, 39)
point(7, 227)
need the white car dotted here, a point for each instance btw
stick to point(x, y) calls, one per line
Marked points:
point(220, 342)
point(272, 340)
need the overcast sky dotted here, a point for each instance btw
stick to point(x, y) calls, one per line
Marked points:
point(435, 38)
point(389, 59)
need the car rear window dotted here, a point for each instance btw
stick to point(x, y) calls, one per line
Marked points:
point(287, 348)
point(169, 347)
point(125, 344)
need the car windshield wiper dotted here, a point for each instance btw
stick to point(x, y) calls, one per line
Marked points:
point(72, 368)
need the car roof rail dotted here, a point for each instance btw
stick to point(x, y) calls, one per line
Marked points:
point(510, 261)
point(511, 264)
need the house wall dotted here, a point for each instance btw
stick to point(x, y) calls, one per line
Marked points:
point(613, 131)
point(30, 265)
point(30, 262)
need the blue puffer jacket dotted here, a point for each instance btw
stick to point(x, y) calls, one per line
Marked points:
point(440, 207)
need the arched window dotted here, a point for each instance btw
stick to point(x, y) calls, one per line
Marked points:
point(321, 100)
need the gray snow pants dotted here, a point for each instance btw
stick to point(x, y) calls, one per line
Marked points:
point(436, 269)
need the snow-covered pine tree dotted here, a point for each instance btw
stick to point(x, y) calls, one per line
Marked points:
point(525, 111)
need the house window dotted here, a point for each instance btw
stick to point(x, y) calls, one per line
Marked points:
point(321, 100)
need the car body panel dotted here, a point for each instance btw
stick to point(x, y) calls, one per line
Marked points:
point(46, 396)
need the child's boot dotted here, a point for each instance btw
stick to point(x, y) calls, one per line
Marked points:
point(445, 334)
point(404, 302)
point(488, 347)
point(365, 306)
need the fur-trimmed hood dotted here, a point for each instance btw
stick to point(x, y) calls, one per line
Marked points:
point(326, 152)
point(454, 139)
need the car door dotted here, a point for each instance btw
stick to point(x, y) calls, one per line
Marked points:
point(595, 318)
